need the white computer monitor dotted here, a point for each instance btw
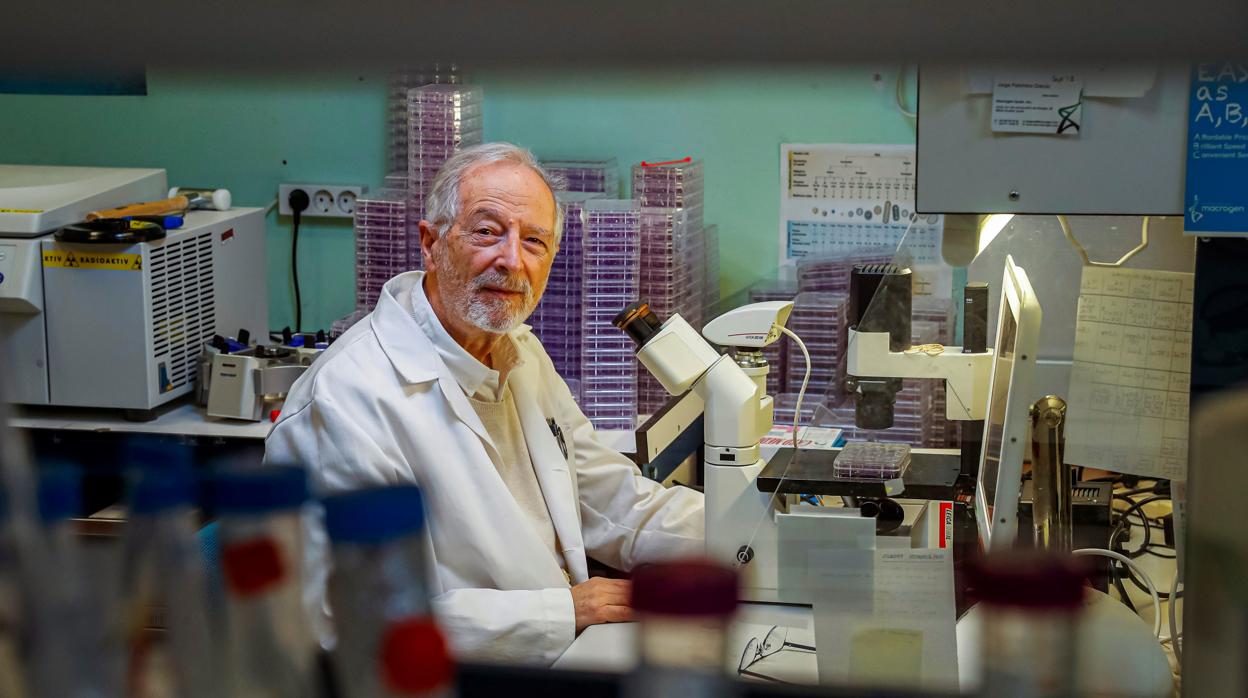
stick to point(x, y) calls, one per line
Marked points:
point(1005, 425)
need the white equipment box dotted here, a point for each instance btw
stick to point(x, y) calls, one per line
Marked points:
point(121, 326)
point(35, 199)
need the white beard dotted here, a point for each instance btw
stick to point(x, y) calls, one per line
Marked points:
point(494, 315)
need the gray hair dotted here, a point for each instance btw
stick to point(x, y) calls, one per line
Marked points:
point(443, 201)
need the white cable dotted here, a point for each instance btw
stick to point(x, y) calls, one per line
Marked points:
point(1174, 623)
point(1148, 581)
point(797, 413)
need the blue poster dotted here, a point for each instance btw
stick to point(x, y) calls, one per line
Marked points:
point(1217, 150)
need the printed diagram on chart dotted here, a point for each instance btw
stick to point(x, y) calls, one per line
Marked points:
point(840, 199)
point(867, 176)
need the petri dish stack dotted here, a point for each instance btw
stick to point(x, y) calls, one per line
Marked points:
point(933, 322)
point(562, 299)
point(344, 323)
point(668, 282)
point(442, 119)
point(673, 251)
point(589, 176)
point(611, 246)
point(710, 299)
point(871, 461)
point(381, 248)
point(819, 318)
point(402, 81)
point(786, 403)
point(831, 273)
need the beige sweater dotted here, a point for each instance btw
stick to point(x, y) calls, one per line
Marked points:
point(513, 463)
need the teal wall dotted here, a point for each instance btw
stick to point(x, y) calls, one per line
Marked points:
point(250, 132)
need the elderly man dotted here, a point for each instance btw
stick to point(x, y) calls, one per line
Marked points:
point(442, 385)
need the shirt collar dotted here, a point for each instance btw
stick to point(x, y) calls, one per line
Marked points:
point(473, 376)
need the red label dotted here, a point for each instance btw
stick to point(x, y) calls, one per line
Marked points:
point(253, 566)
point(946, 524)
point(414, 657)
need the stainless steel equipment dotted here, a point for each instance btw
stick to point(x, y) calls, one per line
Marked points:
point(242, 384)
point(1051, 511)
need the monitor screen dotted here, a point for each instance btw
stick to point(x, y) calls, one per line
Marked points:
point(994, 422)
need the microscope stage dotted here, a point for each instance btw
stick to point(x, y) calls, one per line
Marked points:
point(933, 474)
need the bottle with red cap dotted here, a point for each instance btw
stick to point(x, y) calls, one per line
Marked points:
point(388, 643)
point(685, 610)
point(1030, 605)
point(270, 648)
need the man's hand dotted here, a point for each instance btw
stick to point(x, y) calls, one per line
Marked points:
point(601, 600)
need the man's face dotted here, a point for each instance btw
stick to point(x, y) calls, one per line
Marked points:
point(492, 263)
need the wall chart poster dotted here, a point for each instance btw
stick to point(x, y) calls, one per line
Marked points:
point(844, 199)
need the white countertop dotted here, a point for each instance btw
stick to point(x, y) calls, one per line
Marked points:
point(178, 418)
point(184, 418)
point(613, 647)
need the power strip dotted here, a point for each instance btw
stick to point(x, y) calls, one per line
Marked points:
point(324, 200)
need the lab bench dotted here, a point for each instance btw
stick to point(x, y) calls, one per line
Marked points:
point(98, 440)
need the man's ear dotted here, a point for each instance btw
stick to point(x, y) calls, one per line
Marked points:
point(428, 238)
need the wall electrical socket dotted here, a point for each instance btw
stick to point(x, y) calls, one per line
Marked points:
point(324, 200)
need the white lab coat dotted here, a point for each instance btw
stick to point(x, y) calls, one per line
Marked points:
point(380, 407)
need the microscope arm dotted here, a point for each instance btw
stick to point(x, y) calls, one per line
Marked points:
point(736, 415)
point(966, 375)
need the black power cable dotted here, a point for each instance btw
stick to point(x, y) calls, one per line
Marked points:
point(298, 203)
point(1117, 544)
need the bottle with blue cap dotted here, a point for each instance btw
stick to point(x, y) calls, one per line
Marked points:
point(70, 655)
point(12, 673)
point(270, 648)
point(388, 642)
point(165, 626)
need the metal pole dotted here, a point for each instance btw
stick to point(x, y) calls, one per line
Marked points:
point(1050, 476)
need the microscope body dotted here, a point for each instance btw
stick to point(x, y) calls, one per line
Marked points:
point(879, 352)
point(744, 526)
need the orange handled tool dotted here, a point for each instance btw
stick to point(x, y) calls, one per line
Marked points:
point(164, 207)
point(181, 199)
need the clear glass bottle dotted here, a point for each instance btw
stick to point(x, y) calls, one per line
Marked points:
point(70, 654)
point(166, 624)
point(1030, 605)
point(685, 610)
point(270, 650)
point(388, 642)
point(12, 618)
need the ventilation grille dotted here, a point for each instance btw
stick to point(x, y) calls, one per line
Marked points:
point(183, 306)
point(1084, 494)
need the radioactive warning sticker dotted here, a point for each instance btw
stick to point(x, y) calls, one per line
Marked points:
point(68, 259)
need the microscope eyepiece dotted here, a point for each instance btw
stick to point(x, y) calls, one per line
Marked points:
point(639, 322)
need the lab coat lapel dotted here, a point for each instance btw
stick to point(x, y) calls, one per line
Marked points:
point(413, 354)
point(551, 467)
point(460, 406)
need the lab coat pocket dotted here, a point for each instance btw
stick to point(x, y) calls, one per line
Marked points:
point(570, 460)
